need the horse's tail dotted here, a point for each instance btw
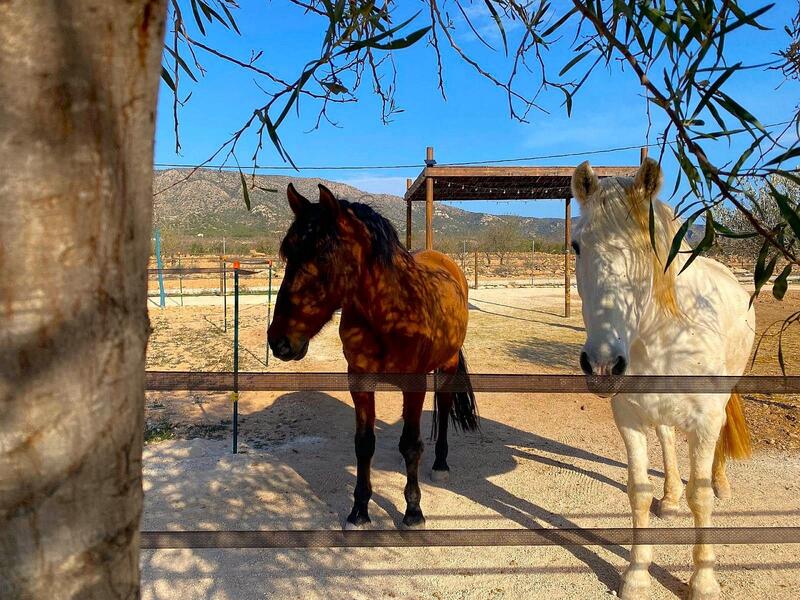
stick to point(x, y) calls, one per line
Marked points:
point(464, 412)
point(734, 439)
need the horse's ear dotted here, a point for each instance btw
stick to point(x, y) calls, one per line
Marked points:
point(329, 201)
point(297, 201)
point(584, 182)
point(649, 178)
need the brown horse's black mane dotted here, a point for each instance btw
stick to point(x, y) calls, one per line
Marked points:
point(313, 233)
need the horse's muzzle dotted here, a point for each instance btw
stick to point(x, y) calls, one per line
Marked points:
point(283, 350)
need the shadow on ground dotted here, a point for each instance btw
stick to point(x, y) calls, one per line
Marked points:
point(301, 473)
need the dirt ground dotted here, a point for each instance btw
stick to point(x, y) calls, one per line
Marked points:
point(539, 461)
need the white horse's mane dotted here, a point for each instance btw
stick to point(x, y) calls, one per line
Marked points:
point(622, 206)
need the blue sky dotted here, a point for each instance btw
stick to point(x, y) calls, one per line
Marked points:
point(472, 124)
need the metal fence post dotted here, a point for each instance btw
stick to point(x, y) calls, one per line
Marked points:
point(236, 357)
point(269, 314)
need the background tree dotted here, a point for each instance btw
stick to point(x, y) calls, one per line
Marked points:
point(756, 195)
point(499, 238)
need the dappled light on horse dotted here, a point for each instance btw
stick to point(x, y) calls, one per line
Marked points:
point(401, 313)
point(644, 319)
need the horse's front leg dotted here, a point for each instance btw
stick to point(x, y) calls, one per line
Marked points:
point(673, 486)
point(365, 448)
point(700, 496)
point(411, 447)
point(636, 578)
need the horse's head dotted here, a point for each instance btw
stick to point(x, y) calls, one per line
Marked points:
point(618, 273)
point(323, 252)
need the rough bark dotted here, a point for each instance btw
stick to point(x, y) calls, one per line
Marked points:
point(78, 84)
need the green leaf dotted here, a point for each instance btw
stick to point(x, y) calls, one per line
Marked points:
point(763, 269)
point(678, 239)
point(181, 62)
point(712, 89)
point(781, 283)
point(197, 18)
point(167, 78)
point(404, 42)
point(244, 191)
point(567, 101)
point(335, 87)
point(705, 244)
point(574, 62)
point(730, 233)
point(375, 39)
point(560, 22)
point(651, 225)
point(787, 211)
point(790, 153)
point(499, 23)
point(231, 19)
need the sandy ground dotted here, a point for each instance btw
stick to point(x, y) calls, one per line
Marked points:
point(539, 461)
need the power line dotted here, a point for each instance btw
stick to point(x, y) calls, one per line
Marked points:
point(402, 166)
point(421, 164)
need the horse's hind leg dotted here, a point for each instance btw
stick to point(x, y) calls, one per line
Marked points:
point(365, 448)
point(719, 479)
point(673, 486)
point(411, 447)
point(444, 404)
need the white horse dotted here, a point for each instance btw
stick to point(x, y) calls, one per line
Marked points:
point(641, 320)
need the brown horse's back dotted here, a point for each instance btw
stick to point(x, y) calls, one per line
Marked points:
point(437, 260)
point(446, 302)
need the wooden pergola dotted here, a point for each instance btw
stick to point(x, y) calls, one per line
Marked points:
point(459, 183)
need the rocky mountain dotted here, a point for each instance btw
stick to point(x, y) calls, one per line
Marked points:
point(210, 203)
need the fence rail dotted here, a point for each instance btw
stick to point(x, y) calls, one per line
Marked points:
point(480, 382)
point(608, 536)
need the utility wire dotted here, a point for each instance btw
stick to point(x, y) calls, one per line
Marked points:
point(420, 164)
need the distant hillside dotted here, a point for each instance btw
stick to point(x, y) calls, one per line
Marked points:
point(210, 203)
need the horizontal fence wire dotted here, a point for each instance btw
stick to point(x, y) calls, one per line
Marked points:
point(198, 270)
point(479, 382)
point(608, 536)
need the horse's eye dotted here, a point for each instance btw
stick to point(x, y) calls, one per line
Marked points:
point(576, 248)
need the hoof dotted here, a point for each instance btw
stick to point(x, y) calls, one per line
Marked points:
point(666, 510)
point(722, 489)
point(413, 521)
point(704, 588)
point(440, 476)
point(705, 594)
point(635, 590)
point(635, 585)
point(354, 523)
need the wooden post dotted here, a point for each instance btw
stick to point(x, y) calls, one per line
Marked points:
point(567, 244)
point(429, 202)
point(642, 154)
point(408, 217)
point(476, 268)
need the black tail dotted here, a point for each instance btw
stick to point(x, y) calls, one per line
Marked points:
point(464, 412)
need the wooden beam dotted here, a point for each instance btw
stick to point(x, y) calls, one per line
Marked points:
point(642, 154)
point(600, 171)
point(567, 244)
point(408, 217)
point(429, 201)
point(418, 182)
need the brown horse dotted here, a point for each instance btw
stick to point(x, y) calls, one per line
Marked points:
point(401, 313)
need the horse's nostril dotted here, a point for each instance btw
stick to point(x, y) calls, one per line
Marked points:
point(586, 366)
point(619, 366)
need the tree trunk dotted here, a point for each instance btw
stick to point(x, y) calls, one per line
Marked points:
point(78, 85)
